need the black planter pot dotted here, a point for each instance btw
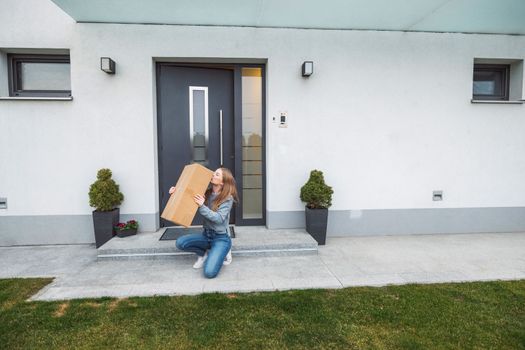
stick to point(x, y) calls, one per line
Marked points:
point(127, 232)
point(104, 223)
point(316, 221)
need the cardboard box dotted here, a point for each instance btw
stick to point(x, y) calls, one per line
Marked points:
point(181, 207)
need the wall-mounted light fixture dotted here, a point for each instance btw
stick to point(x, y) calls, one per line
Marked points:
point(437, 195)
point(107, 65)
point(308, 68)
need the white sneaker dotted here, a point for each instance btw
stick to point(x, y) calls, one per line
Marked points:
point(200, 261)
point(228, 258)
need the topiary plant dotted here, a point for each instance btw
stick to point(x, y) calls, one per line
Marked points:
point(316, 193)
point(104, 194)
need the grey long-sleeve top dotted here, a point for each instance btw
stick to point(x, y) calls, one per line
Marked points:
point(217, 220)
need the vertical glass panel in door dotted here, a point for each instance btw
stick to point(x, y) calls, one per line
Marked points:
point(199, 124)
point(252, 189)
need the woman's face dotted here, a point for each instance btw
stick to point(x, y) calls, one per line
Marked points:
point(217, 177)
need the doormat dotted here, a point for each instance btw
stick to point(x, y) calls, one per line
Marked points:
point(173, 233)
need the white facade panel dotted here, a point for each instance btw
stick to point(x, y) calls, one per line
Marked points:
point(387, 116)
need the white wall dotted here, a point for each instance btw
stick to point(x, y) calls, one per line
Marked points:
point(35, 137)
point(34, 23)
point(386, 115)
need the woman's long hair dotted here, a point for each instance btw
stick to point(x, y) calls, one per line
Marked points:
point(229, 188)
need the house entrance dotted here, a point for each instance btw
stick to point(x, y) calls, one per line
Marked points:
point(213, 115)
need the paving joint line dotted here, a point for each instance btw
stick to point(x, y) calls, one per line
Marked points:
point(333, 274)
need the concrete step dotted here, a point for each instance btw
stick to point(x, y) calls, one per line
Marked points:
point(249, 241)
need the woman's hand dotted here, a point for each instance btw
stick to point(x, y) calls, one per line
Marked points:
point(199, 199)
point(172, 189)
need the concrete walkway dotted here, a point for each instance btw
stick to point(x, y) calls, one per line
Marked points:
point(343, 262)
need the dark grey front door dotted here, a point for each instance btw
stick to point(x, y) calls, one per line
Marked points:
point(191, 103)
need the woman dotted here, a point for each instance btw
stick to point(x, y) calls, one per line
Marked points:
point(213, 245)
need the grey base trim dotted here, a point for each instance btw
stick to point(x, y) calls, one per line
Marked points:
point(78, 229)
point(285, 219)
point(60, 229)
point(147, 222)
point(409, 221)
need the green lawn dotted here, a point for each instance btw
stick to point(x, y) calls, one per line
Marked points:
point(484, 315)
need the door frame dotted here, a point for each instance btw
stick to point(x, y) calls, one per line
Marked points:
point(237, 117)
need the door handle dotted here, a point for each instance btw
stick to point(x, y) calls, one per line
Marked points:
point(220, 120)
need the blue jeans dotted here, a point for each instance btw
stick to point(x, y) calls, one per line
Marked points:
point(217, 245)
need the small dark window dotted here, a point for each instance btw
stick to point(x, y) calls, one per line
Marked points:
point(39, 75)
point(491, 82)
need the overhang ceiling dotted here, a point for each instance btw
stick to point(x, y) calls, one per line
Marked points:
point(464, 16)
